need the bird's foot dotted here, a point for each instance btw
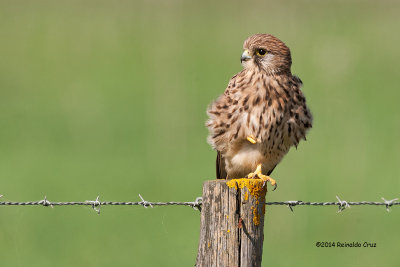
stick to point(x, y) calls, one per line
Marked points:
point(265, 178)
point(251, 139)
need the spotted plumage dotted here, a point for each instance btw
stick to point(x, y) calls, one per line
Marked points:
point(262, 102)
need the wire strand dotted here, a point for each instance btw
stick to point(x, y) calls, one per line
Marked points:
point(96, 204)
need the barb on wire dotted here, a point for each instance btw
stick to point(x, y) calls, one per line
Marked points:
point(389, 203)
point(343, 204)
point(197, 204)
point(45, 202)
point(95, 204)
point(144, 203)
point(292, 203)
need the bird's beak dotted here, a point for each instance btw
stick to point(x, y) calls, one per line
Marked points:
point(245, 56)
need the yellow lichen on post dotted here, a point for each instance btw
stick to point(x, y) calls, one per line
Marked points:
point(255, 186)
point(257, 189)
point(256, 216)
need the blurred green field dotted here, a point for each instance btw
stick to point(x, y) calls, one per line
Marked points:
point(108, 98)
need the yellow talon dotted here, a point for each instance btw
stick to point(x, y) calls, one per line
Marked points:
point(258, 169)
point(251, 139)
point(265, 178)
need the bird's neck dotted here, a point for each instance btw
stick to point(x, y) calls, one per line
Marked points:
point(269, 71)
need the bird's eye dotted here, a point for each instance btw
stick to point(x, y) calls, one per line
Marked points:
point(261, 52)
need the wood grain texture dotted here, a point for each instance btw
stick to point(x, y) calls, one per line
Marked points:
point(232, 223)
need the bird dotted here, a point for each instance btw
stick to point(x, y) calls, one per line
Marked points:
point(261, 114)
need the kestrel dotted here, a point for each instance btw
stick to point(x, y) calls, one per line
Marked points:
point(261, 114)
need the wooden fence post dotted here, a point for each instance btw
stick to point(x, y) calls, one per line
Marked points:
point(232, 223)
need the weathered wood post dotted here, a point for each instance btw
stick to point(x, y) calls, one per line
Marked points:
point(232, 223)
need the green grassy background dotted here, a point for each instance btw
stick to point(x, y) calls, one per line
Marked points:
point(108, 98)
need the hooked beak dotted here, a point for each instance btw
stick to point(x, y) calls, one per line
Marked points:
point(245, 56)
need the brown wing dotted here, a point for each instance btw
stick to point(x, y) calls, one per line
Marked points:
point(221, 171)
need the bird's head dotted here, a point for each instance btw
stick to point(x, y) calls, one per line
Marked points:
point(267, 53)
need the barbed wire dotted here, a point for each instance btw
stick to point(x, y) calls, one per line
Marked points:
point(342, 204)
point(96, 204)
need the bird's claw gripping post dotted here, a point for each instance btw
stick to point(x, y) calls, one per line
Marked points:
point(265, 178)
point(258, 172)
